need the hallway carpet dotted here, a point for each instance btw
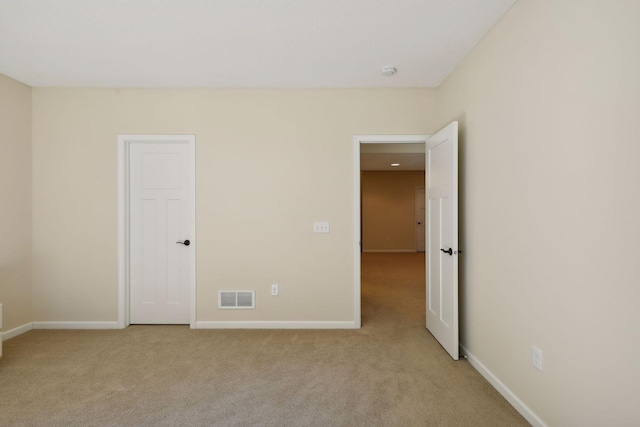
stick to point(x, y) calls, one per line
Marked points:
point(389, 373)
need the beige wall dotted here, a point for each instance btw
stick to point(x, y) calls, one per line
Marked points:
point(388, 209)
point(269, 164)
point(549, 107)
point(15, 203)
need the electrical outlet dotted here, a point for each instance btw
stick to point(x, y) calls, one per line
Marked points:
point(537, 358)
point(274, 290)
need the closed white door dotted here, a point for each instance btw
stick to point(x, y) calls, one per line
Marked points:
point(442, 237)
point(161, 231)
point(420, 217)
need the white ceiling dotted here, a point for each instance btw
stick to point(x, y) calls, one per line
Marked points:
point(382, 162)
point(239, 43)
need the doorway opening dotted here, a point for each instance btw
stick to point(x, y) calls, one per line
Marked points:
point(390, 172)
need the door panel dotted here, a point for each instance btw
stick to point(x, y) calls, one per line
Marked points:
point(175, 252)
point(442, 234)
point(433, 263)
point(160, 214)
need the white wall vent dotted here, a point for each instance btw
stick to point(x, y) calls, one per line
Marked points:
point(237, 299)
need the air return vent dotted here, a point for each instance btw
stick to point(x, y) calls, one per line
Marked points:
point(237, 299)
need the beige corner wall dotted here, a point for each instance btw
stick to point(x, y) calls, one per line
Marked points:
point(15, 203)
point(269, 164)
point(388, 210)
point(549, 107)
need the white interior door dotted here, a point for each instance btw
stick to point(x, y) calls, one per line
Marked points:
point(161, 231)
point(442, 237)
point(420, 217)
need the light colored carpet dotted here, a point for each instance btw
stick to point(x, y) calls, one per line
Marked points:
point(389, 373)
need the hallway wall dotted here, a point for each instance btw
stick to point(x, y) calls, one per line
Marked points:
point(388, 210)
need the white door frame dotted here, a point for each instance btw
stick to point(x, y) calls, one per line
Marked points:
point(415, 215)
point(123, 220)
point(358, 140)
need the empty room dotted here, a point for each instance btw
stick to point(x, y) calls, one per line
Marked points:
point(186, 233)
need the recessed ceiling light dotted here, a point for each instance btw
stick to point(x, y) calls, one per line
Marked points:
point(395, 164)
point(389, 71)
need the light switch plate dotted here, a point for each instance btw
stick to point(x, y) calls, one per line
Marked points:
point(537, 358)
point(321, 227)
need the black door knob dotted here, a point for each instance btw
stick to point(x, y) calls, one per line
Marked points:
point(186, 243)
point(450, 251)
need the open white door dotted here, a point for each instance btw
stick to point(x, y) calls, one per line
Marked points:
point(442, 237)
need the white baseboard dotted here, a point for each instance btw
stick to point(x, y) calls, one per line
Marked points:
point(505, 391)
point(274, 325)
point(390, 251)
point(76, 325)
point(12, 333)
point(199, 325)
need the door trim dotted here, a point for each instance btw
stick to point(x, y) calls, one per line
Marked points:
point(415, 214)
point(358, 140)
point(123, 220)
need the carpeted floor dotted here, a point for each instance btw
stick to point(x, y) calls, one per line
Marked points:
point(389, 373)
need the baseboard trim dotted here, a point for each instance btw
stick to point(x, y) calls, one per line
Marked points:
point(76, 325)
point(199, 325)
point(391, 251)
point(12, 333)
point(505, 391)
point(274, 325)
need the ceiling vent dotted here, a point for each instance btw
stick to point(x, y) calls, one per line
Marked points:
point(237, 300)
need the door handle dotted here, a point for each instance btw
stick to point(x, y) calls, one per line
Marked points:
point(186, 243)
point(450, 251)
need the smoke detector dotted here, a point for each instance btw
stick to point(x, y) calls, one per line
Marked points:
point(389, 71)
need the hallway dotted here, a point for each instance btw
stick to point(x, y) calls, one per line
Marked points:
point(393, 290)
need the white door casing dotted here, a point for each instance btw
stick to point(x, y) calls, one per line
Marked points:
point(158, 274)
point(442, 237)
point(420, 218)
